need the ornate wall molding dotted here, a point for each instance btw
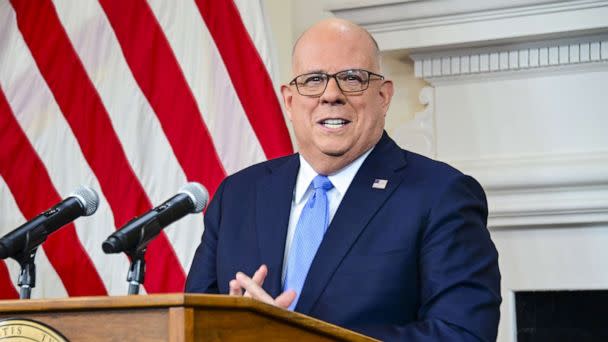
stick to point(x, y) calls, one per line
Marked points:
point(424, 25)
point(418, 134)
point(513, 59)
point(375, 14)
point(543, 190)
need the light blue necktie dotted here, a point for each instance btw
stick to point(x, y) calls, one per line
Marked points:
point(309, 232)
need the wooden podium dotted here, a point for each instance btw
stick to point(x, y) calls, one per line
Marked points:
point(173, 317)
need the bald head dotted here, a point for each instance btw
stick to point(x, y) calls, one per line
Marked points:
point(353, 37)
point(336, 126)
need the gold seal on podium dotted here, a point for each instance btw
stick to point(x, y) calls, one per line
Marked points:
point(21, 330)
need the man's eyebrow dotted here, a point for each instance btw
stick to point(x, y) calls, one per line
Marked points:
point(316, 71)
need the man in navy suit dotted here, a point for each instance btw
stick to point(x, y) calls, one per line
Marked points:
point(406, 254)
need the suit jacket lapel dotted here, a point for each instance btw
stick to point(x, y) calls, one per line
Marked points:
point(274, 195)
point(358, 206)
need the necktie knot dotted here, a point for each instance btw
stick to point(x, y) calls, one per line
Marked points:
point(322, 182)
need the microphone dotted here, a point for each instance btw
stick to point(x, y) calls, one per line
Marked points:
point(82, 202)
point(191, 198)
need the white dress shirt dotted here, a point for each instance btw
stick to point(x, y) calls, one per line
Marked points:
point(303, 190)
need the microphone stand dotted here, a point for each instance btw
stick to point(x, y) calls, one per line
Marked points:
point(137, 269)
point(26, 259)
point(27, 276)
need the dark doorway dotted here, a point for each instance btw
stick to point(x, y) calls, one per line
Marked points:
point(556, 316)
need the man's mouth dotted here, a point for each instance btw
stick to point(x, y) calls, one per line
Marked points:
point(334, 123)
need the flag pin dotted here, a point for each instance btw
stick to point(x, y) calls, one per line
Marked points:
point(379, 184)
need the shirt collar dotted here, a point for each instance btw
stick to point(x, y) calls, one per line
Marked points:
point(341, 179)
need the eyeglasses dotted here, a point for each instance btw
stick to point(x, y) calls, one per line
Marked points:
point(349, 81)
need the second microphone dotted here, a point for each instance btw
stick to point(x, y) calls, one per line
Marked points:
point(191, 198)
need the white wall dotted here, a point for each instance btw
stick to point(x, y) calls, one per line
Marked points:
point(539, 146)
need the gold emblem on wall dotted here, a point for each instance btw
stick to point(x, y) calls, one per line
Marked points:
point(21, 330)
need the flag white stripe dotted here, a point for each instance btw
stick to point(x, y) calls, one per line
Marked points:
point(210, 83)
point(137, 126)
point(48, 282)
point(254, 18)
point(43, 123)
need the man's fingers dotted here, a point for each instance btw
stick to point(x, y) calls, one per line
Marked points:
point(235, 288)
point(253, 289)
point(284, 299)
point(260, 275)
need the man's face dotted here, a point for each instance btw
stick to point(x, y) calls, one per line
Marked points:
point(335, 128)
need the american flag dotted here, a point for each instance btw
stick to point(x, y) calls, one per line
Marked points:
point(133, 98)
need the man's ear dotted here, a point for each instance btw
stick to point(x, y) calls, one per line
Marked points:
point(287, 98)
point(386, 94)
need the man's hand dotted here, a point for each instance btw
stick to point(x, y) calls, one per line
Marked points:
point(253, 288)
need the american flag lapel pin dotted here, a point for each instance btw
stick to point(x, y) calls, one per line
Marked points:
point(379, 184)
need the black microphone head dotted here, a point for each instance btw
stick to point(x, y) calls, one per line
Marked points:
point(198, 194)
point(88, 198)
point(111, 245)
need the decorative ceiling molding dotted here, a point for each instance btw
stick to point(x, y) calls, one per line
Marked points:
point(426, 25)
point(506, 60)
point(543, 190)
point(418, 13)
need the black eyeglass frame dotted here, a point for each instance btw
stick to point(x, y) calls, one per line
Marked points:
point(329, 76)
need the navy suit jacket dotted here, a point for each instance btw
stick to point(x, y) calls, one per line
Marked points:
point(412, 262)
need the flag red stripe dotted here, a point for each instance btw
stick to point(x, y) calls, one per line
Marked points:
point(164, 85)
point(248, 74)
point(63, 248)
point(84, 111)
point(7, 290)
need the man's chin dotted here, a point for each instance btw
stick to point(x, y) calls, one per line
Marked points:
point(334, 151)
point(335, 154)
point(338, 149)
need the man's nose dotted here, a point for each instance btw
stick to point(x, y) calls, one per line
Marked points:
point(332, 93)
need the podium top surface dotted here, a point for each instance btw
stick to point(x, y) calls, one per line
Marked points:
point(196, 301)
point(133, 301)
